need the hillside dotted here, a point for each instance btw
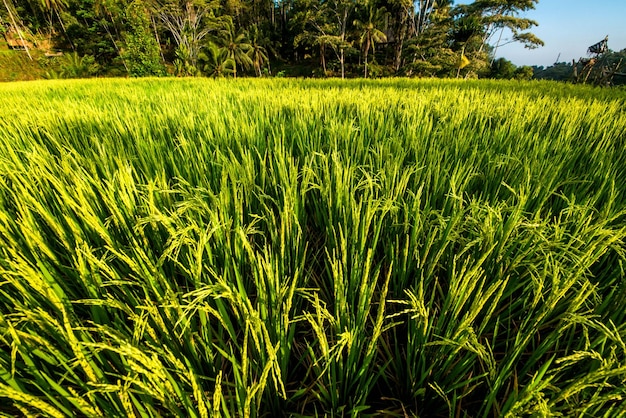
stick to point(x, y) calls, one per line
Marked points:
point(16, 66)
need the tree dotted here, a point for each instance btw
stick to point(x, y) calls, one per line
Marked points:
point(311, 28)
point(400, 26)
point(559, 71)
point(340, 11)
point(258, 53)
point(112, 14)
point(409, 21)
point(218, 63)
point(430, 53)
point(325, 24)
point(498, 15)
point(466, 34)
point(142, 54)
point(87, 31)
point(524, 72)
point(237, 45)
point(189, 22)
point(424, 10)
point(53, 7)
point(370, 34)
point(421, 37)
point(503, 68)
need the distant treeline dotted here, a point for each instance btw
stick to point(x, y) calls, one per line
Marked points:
point(341, 38)
point(319, 38)
point(611, 64)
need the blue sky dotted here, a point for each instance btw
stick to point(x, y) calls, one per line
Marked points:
point(568, 28)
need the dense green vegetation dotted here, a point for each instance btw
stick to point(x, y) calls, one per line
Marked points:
point(563, 71)
point(197, 247)
point(15, 65)
point(369, 38)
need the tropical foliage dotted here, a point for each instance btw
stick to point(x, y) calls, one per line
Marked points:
point(334, 37)
point(611, 63)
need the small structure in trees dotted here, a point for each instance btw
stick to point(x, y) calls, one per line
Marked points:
point(12, 33)
point(600, 47)
point(15, 41)
point(595, 69)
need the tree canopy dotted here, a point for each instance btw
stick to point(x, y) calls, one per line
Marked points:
point(301, 37)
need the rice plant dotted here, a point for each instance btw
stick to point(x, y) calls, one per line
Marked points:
point(312, 248)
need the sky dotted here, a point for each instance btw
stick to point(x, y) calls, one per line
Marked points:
point(568, 28)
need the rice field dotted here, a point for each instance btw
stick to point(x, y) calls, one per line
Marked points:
point(261, 248)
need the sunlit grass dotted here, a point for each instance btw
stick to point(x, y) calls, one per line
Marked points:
point(288, 247)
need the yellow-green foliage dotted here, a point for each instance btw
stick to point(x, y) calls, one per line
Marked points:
point(285, 247)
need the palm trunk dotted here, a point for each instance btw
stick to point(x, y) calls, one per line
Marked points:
point(156, 37)
point(117, 49)
point(344, 23)
point(342, 59)
point(397, 60)
point(458, 71)
point(65, 31)
point(399, 44)
point(367, 48)
point(19, 32)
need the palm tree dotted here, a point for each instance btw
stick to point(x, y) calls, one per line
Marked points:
point(257, 53)
point(318, 28)
point(322, 42)
point(237, 45)
point(370, 34)
point(219, 63)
